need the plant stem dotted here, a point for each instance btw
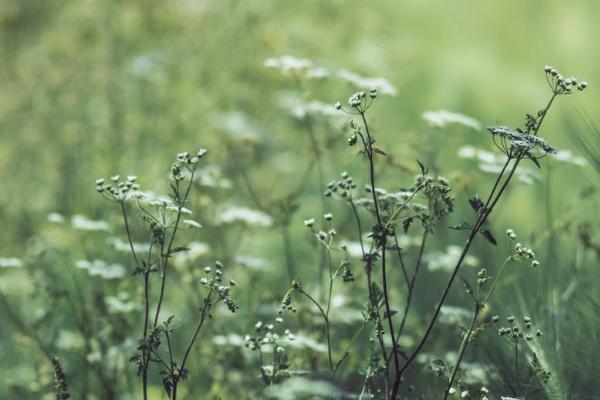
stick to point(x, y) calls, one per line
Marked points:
point(463, 348)
point(347, 349)
point(517, 367)
point(411, 285)
point(128, 232)
point(481, 219)
point(145, 356)
point(326, 319)
point(165, 257)
point(386, 296)
point(177, 376)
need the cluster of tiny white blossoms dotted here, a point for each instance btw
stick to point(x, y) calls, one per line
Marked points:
point(214, 281)
point(465, 394)
point(116, 189)
point(184, 162)
point(560, 84)
point(521, 252)
point(266, 335)
point(342, 188)
point(515, 332)
point(325, 235)
point(359, 102)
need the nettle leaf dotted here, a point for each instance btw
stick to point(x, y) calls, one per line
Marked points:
point(379, 151)
point(179, 249)
point(476, 203)
point(468, 287)
point(488, 236)
point(376, 293)
point(424, 170)
point(532, 158)
point(406, 224)
point(463, 226)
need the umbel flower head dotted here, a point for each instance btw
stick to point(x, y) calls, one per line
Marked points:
point(515, 143)
point(519, 143)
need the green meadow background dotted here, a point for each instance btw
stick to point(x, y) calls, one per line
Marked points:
point(93, 88)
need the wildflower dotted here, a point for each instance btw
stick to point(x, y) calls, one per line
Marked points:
point(101, 269)
point(441, 118)
point(379, 84)
point(83, 223)
point(192, 223)
point(56, 218)
point(10, 262)
point(246, 215)
point(309, 222)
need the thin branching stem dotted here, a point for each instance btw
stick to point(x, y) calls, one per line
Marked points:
point(204, 313)
point(483, 216)
point(411, 286)
point(165, 257)
point(491, 202)
point(386, 296)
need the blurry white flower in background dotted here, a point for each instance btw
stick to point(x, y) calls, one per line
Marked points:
point(11, 262)
point(437, 260)
point(212, 176)
point(254, 263)
point(56, 218)
point(440, 119)
point(101, 269)
point(246, 215)
point(122, 245)
point(86, 224)
point(492, 163)
point(194, 250)
point(567, 156)
point(119, 305)
point(381, 84)
point(290, 65)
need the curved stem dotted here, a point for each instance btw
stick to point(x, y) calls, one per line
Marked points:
point(128, 232)
point(326, 319)
point(347, 349)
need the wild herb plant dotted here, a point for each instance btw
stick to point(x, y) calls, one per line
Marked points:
point(164, 218)
point(389, 214)
point(516, 145)
point(266, 335)
point(480, 295)
point(380, 220)
point(60, 381)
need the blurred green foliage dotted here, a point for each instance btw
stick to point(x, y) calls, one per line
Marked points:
point(98, 87)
